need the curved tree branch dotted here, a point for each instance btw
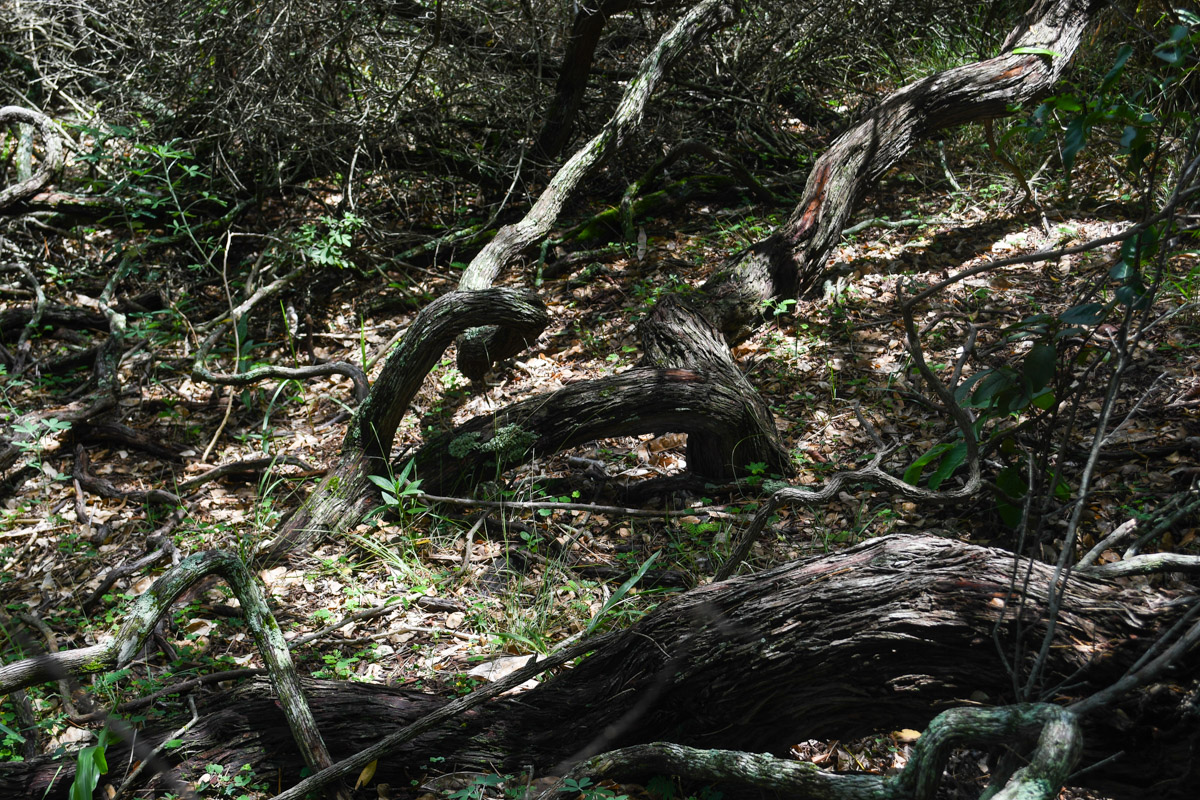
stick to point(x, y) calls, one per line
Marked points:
point(337, 503)
point(793, 258)
point(686, 383)
point(51, 158)
point(479, 349)
point(1057, 751)
point(121, 648)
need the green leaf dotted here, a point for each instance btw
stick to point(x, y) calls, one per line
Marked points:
point(1171, 54)
point(1035, 51)
point(1073, 141)
point(381, 482)
point(1038, 367)
point(86, 776)
point(1130, 296)
point(1011, 481)
point(960, 393)
point(996, 383)
point(407, 471)
point(620, 593)
point(1131, 137)
point(1085, 314)
point(90, 765)
point(1036, 322)
point(913, 474)
point(1044, 401)
point(1062, 491)
point(951, 462)
point(1130, 250)
point(1067, 333)
point(662, 787)
point(1114, 74)
point(1067, 102)
point(100, 760)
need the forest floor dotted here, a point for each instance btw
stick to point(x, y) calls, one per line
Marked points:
point(439, 603)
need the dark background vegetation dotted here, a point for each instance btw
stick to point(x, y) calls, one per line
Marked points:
point(365, 151)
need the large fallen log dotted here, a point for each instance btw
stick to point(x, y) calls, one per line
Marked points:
point(879, 637)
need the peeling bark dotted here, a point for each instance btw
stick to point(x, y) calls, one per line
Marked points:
point(881, 636)
point(793, 258)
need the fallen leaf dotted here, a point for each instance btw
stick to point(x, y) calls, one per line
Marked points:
point(367, 773)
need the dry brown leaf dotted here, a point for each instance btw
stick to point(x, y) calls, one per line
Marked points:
point(367, 773)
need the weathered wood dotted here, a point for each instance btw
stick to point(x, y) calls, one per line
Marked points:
point(51, 157)
point(486, 347)
point(882, 636)
point(343, 495)
point(793, 258)
point(677, 335)
point(687, 384)
point(642, 400)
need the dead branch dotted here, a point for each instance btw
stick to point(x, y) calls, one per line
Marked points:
point(1057, 750)
point(120, 649)
point(51, 157)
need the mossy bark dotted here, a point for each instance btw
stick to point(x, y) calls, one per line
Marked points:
point(686, 383)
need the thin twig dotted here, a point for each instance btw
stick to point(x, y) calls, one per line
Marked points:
point(449, 711)
point(127, 784)
point(536, 504)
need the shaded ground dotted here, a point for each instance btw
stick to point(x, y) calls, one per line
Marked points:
point(464, 593)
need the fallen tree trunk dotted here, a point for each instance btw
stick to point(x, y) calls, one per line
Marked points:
point(793, 258)
point(882, 636)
